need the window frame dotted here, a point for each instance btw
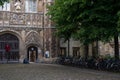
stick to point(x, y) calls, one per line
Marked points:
point(6, 5)
point(29, 6)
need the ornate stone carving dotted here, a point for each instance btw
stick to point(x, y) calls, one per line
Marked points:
point(17, 5)
point(17, 18)
point(33, 38)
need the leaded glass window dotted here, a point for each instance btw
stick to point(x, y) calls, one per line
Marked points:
point(5, 7)
point(31, 6)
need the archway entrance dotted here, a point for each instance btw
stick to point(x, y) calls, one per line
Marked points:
point(10, 53)
point(32, 53)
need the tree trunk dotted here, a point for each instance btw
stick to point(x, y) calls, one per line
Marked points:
point(116, 48)
point(95, 49)
point(86, 51)
point(68, 47)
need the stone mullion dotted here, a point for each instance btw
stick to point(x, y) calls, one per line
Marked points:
point(31, 19)
point(1, 18)
point(50, 41)
point(9, 20)
point(53, 43)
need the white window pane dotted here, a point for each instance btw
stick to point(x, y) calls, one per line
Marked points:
point(34, 6)
point(26, 6)
point(0, 8)
point(6, 7)
point(31, 6)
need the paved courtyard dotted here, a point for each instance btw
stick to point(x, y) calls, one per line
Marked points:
point(37, 71)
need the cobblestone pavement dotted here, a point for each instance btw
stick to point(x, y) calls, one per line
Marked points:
point(37, 71)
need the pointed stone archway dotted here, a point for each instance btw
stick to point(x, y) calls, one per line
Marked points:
point(13, 42)
point(33, 46)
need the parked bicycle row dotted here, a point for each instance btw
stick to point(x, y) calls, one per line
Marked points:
point(92, 63)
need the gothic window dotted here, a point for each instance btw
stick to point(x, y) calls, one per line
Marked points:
point(5, 7)
point(31, 5)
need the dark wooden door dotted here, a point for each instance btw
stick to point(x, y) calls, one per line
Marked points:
point(13, 42)
point(32, 54)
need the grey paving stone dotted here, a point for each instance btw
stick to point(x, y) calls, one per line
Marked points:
point(37, 71)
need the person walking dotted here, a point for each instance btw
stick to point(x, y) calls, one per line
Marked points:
point(7, 51)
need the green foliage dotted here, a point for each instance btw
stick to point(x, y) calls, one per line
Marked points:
point(2, 2)
point(86, 20)
point(118, 23)
point(63, 14)
point(98, 20)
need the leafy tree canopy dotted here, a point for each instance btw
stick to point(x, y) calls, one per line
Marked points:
point(86, 20)
point(99, 20)
point(62, 16)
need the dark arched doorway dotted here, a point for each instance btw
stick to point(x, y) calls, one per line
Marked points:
point(13, 42)
point(32, 53)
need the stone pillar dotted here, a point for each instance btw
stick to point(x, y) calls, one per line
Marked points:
point(23, 50)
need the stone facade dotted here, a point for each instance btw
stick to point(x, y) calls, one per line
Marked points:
point(33, 30)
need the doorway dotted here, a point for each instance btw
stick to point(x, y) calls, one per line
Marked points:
point(32, 53)
point(12, 52)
